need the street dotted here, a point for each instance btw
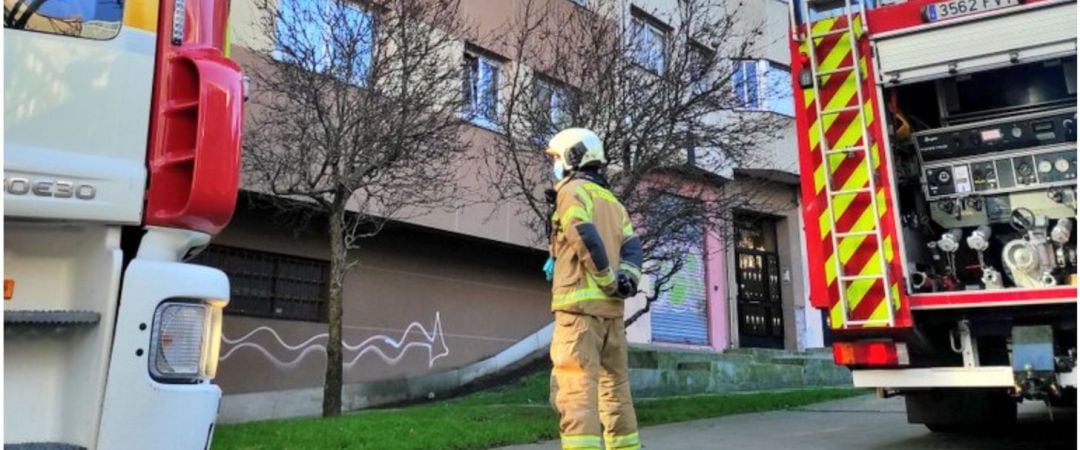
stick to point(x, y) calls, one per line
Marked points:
point(858, 423)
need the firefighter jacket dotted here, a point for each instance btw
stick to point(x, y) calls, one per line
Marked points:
point(592, 240)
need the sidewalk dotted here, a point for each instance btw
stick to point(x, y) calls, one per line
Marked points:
point(856, 423)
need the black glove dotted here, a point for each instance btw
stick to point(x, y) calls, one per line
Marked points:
point(550, 196)
point(626, 286)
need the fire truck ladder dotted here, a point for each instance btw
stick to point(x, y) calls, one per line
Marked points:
point(853, 34)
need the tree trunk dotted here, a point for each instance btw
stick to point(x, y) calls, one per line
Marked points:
point(338, 266)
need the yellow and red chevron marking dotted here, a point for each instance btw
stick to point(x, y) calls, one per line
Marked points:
point(858, 255)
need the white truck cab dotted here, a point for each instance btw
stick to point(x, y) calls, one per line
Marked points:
point(121, 157)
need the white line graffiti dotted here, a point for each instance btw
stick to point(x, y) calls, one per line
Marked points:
point(434, 342)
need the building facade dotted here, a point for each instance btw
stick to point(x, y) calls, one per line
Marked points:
point(745, 286)
point(446, 299)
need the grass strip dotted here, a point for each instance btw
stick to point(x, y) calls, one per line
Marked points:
point(515, 414)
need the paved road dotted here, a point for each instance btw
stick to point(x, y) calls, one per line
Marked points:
point(857, 423)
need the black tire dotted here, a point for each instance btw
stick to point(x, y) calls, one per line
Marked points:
point(1066, 400)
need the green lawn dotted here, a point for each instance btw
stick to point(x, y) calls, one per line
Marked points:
point(507, 415)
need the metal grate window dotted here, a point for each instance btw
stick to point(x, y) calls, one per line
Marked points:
point(270, 284)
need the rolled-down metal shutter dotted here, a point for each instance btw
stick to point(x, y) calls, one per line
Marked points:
point(680, 315)
point(1024, 33)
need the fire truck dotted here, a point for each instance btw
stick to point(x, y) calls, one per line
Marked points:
point(937, 143)
point(122, 124)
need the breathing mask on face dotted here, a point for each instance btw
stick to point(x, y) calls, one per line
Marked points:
point(557, 169)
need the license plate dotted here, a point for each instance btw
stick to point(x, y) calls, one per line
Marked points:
point(935, 12)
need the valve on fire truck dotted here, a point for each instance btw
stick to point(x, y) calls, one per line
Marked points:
point(1060, 235)
point(1030, 260)
point(979, 241)
point(950, 244)
point(946, 282)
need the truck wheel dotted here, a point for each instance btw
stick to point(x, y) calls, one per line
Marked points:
point(1067, 398)
point(959, 410)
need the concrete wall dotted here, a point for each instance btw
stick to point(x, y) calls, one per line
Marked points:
point(716, 269)
point(419, 303)
point(655, 372)
point(812, 328)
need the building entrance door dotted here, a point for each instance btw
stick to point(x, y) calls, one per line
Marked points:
point(757, 275)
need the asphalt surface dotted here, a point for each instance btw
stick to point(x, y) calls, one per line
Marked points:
point(856, 423)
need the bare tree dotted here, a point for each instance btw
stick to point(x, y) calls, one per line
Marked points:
point(667, 108)
point(355, 119)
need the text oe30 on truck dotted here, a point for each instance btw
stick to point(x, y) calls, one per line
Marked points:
point(937, 144)
point(122, 129)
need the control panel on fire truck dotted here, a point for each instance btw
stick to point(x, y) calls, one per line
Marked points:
point(988, 191)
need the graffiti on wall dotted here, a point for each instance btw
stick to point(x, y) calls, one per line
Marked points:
point(288, 356)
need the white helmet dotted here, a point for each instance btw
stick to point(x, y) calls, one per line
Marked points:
point(576, 148)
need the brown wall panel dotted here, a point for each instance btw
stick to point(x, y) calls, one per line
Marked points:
point(419, 302)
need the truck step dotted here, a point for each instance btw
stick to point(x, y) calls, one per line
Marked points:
point(861, 277)
point(846, 234)
point(852, 192)
point(832, 32)
point(43, 446)
point(846, 150)
point(833, 112)
point(844, 69)
point(35, 318)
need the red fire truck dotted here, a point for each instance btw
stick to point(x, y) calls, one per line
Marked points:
point(937, 144)
point(122, 125)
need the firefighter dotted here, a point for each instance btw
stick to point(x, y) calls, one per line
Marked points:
point(597, 264)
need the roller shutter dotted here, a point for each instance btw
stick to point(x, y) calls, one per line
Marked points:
point(680, 315)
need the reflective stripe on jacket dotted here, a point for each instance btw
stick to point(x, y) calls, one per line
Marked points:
point(592, 240)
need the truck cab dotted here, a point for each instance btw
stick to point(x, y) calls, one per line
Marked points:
point(122, 146)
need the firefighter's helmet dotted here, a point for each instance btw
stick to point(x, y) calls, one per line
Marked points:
point(577, 148)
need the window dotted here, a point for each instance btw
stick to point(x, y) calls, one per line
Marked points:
point(755, 232)
point(91, 19)
point(700, 58)
point(553, 108)
point(334, 37)
point(648, 41)
point(746, 85)
point(482, 89)
point(271, 285)
point(763, 85)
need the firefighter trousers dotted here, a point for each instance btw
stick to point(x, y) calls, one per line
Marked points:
point(590, 385)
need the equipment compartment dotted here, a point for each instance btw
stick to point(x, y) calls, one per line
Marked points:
point(986, 179)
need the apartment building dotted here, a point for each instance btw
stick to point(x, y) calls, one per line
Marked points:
point(744, 286)
point(443, 299)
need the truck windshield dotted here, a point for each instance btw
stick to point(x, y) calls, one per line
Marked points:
point(91, 19)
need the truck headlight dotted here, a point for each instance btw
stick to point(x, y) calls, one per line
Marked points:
point(185, 341)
